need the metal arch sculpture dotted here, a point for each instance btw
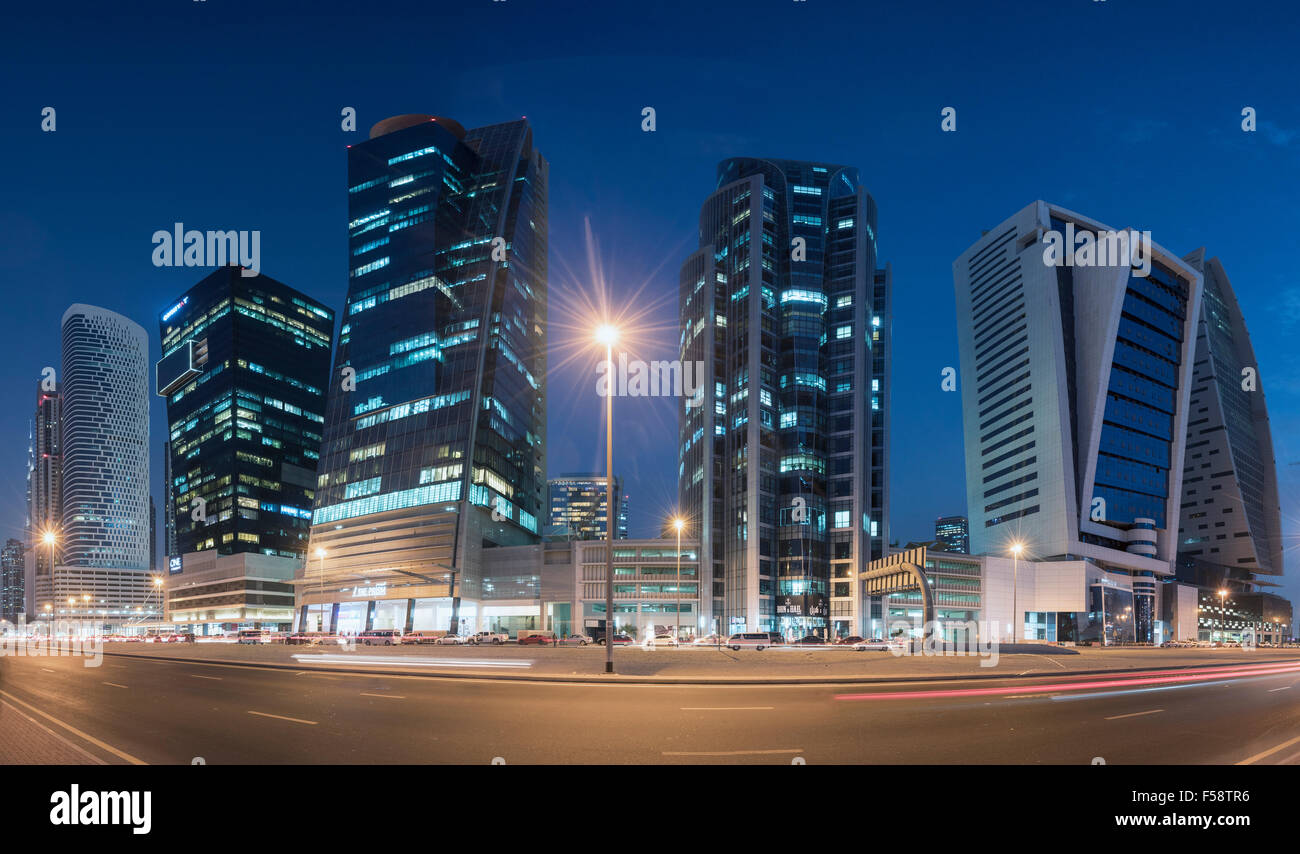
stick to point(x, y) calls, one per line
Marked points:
point(901, 573)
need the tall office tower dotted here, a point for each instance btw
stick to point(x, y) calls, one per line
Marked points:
point(435, 431)
point(783, 459)
point(1230, 526)
point(1076, 371)
point(12, 589)
point(245, 363)
point(953, 534)
point(577, 507)
point(105, 409)
point(45, 486)
point(103, 547)
point(170, 546)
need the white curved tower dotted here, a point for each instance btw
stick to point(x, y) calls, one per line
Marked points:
point(106, 440)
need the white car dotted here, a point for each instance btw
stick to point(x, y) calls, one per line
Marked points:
point(879, 645)
point(658, 641)
point(576, 640)
point(455, 640)
point(488, 637)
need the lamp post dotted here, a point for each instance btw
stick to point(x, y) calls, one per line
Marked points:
point(607, 335)
point(678, 523)
point(1223, 621)
point(1016, 549)
point(320, 578)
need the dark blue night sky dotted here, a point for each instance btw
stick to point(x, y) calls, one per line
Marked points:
point(226, 115)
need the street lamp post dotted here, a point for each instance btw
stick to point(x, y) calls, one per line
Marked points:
point(320, 587)
point(1223, 621)
point(1016, 549)
point(677, 524)
point(607, 335)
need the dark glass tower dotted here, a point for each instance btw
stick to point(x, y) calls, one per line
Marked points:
point(245, 361)
point(783, 467)
point(1230, 526)
point(437, 403)
point(577, 507)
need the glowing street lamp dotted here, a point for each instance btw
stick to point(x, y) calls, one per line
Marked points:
point(320, 566)
point(1016, 549)
point(678, 524)
point(1223, 617)
point(607, 334)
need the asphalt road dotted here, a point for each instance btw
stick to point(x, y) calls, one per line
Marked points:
point(136, 710)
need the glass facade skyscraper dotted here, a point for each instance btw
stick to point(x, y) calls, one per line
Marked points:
point(1230, 526)
point(952, 534)
point(783, 465)
point(45, 483)
point(105, 418)
point(435, 430)
point(245, 363)
point(577, 507)
point(12, 588)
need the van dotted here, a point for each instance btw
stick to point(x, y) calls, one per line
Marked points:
point(380, 637)
point(758, 640)
point(252, 636)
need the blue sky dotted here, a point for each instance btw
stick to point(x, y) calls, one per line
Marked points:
point(225, 114)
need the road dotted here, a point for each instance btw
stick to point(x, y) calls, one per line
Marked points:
point(149, 711)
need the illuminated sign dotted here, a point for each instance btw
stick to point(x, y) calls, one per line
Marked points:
point(173, 565)
point(376, 590)
point(167, 315)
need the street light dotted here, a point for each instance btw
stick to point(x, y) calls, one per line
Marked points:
point(1223, 622)
point(678, 524)
point(1016, 549)
point(607, 335)
point(320, 556)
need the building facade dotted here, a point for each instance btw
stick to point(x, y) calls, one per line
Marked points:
point(782, 465)
point(435, 430)
point(44, 487)
point(245, 363)
point(577, 507)
point(12, 581)
point(1076, 374)
point(1230, 525)
point(953, 534)
point(102, 566)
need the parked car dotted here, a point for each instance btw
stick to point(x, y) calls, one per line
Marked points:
point(537, 638)
point(380, 637)
point(877, 645)
point(775, 639)
point(620, 639)
point(809, 640)
point(181, 637)
point(659, 640)
point(709, 640)
point(758, 640)
point(576, 640)
point(447, 640)
point(253, 636)
point(488, 637)
point(422, 637)
point(849, 641)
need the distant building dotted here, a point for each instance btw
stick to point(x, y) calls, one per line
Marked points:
point(12, 582)
point(45, 487)
point(577, 507)
point(952, 534)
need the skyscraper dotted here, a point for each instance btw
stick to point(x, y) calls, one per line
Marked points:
point(11, 581)
point(953, 534)
point(783, 466)
point(103, 547)
point(45, 485)
point(1230, 523)
point(577, 507)
point(435, 430)
point(1075, 378)
point(105, 410)
point(245, 363)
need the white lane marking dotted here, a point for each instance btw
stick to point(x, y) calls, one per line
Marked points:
point(283, 718)
point(70, 728)
point(48, 670)
point(730, 752)
point(385, 696)
point(1135, 714)
point(1258, 756)
point(114, 684)
point(1283, 688)
point(197, 676)
point(727, 708)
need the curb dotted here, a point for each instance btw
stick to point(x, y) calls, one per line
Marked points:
point(617, 679)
